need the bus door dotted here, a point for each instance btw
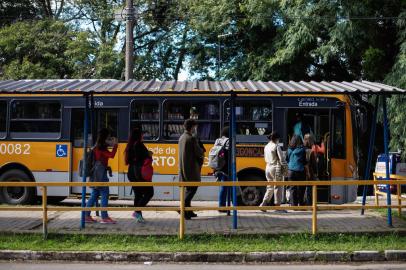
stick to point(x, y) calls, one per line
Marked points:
point(102, 118)
point(317, 122)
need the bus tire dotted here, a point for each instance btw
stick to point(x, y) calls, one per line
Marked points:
point(16, 195)
point(251, 195)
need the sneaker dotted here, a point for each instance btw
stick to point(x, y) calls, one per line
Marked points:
point(89, 219)
point(108, 220)
point(263, 210)
point(138, 217)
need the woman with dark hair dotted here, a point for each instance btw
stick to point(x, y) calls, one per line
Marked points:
point(135, 155)
point(273, 172)
point(101, 157)
point(296, 159)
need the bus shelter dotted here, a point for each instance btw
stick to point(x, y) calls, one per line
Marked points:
point(359, 90)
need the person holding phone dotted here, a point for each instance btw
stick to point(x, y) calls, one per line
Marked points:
point(101, 156)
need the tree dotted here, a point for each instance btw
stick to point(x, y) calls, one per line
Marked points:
point(14, 10)
point(44, 49)
point(397, 103)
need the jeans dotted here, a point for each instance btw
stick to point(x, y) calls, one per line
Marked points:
point(104, 192)
point(309, 195)
point(142, 195)
point(297, 192)
point(96, 192)
point(225, 192)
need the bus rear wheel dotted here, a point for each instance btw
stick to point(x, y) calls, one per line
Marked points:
point(16, 195)
point(252, 196)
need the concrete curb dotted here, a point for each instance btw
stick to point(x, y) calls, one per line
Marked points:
point(211, 257)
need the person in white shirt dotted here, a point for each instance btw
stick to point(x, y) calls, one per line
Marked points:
point(273, 172)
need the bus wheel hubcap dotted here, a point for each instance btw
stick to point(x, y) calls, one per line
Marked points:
point(250, 196)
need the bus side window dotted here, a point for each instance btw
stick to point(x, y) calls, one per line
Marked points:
point(206, 113)
point(338, 142)
point(3, 119)
point(254, 120)
point(35, 119)
point(145, 115)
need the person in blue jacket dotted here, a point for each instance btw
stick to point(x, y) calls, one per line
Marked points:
point(301, 127)
point(296, 159)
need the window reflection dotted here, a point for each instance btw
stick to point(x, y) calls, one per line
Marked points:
point(3, 118)
point(145, 115)
point(38, 119)
point(206, 113)
point(254, 119)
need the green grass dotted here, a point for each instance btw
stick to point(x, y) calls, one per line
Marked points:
point(384, 212)
point(202, 243)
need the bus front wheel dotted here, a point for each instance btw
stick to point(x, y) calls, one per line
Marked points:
point(16, 195)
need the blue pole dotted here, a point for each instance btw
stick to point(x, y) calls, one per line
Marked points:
point(85, 135)
point(370, 153)
point(93, 132)
point(386, 143)
point(233, 156)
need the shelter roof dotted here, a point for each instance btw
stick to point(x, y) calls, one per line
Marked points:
point(132, 86)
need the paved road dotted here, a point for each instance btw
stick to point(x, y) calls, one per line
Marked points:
point(63, 266)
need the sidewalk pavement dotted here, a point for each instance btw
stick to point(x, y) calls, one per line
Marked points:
point(167, 223)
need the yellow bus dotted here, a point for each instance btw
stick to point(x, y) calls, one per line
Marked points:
point(41, 130)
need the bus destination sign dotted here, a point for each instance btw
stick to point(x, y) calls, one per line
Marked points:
point(306, 102)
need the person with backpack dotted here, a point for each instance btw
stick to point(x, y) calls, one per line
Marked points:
point(140, 169)
point(219, 162)
point(296, 159)
point(273, 171)
point(101, 155)
point(191, 156)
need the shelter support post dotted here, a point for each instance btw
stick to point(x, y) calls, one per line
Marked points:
point(314, 210)
point(182, 213)
point(44, 212)
point(367, 173)
point(93, 131)
point(233, 156)
point(399, 197)
point(85, 137)
point(386, 146)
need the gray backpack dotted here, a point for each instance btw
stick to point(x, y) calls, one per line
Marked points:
point(217, 158)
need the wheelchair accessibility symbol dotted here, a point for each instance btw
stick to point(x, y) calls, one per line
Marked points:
point(61, 150)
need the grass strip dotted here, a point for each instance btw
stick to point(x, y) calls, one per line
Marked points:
point(202, 243)
point(384, 213)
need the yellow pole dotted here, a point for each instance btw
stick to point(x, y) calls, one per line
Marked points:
point(182, 213)
point(314, 205)
point(399, 200)
point(376, 193)
point(44, 213)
